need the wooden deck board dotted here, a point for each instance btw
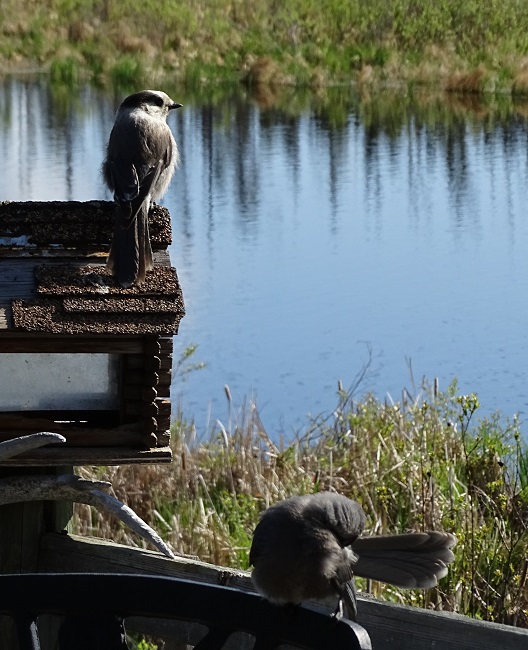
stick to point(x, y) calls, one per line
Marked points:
point(64, 455)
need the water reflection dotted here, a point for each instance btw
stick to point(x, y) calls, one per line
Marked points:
point(305, 226)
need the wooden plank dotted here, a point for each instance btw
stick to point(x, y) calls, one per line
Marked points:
point(33, 421)
point(163, 391)
point(390, 626)
point(139, 392)
point(166, 362)
point(141, 378)
point(164, 437)
point(17, 279)
point(126, 435)
point(166, 345)
point(27, 343)
point(150, 425)
point(165, 377)
point(13, 425)
point(73, 553)
point(21, 526)
point(408, 628)
point(135, 408)
point(153, 364)
point(5, 320)
point(163, 422)
point(164, 406)
point(132, 408)
point(59, 255)
point(152, 346)
point(53, 456)
point(150, 409)
point(135, 362)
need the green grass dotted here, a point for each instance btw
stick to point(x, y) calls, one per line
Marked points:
point(423, 463)
point(311, 43)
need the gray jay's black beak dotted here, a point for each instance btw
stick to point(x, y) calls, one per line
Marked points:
point(175, 105)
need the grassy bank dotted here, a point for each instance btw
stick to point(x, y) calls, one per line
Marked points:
point(473, 45)
point(423, 463)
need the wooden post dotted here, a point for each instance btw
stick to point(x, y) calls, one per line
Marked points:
point(22, 526)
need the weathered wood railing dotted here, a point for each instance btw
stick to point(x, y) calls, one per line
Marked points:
point(389, 626)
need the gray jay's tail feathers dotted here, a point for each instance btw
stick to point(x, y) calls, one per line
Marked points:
point(411, 560)
point(130, 254)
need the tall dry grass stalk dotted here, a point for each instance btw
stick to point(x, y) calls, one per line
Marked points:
point(420, 463)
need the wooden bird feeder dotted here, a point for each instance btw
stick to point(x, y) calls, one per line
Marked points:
point(79, 355)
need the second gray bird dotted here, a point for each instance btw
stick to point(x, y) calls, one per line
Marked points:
point(140, 160)
point(309, 548)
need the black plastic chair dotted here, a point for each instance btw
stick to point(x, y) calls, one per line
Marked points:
point(106, 598)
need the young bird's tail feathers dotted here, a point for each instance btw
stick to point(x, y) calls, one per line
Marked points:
point(411, 560)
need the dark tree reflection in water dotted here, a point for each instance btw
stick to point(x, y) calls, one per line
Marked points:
point(306, 227)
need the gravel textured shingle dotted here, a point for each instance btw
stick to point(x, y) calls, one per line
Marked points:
point(72, 295)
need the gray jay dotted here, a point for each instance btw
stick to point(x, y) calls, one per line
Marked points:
point(140, 160)
point(309, 548)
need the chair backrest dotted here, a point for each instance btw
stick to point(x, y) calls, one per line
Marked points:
point(107, 599)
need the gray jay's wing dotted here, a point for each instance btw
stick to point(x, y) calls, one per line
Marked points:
point(131, 188)
point(139, 161)
point(411, 560)
point(130, 254)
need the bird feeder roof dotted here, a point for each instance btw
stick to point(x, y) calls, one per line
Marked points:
point(54, 280)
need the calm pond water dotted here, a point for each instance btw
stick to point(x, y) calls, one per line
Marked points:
point(307, 231)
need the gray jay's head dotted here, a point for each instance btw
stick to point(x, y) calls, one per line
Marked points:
point(141, 157)
point(309, 548)
point(155, 102)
